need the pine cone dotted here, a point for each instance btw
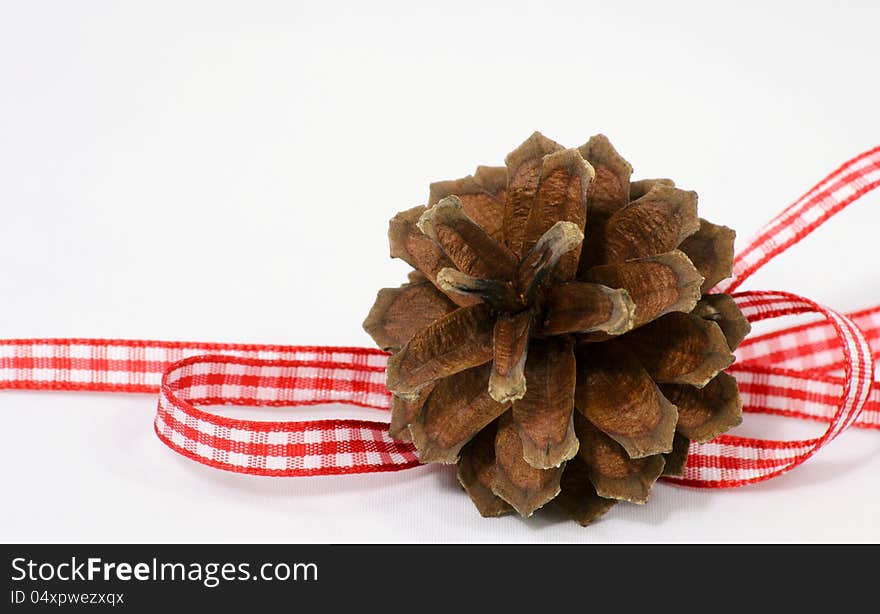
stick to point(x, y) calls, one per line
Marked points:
point(547, 365)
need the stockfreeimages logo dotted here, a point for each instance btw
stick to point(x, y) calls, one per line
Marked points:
point(210, 575)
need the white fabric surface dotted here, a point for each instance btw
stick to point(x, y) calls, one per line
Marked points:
point(224, 171)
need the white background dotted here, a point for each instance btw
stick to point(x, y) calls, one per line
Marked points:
point(225, 171)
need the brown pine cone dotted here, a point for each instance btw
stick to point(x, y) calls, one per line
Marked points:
point(547, 365)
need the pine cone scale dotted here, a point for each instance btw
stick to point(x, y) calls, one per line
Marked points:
point(399, 313)
point(613, 473)
point(507, 381)
point(711, 251)
point(580, 307)
point(617, 395)
point(412, 246)
point(457, 409)
point(610, 191)
point(721, 309)
point(405, 411)
point(578, 497)
point(681, 348)
point(657, 285)
point(655, 224)
point(455, 342)
point(476, 471)
point(704, 413)
point(560, 196)
point(524, 487)
point(543, 416)
point(470, 248)
point(524, 166)
point(482, 201)
point(677, 458)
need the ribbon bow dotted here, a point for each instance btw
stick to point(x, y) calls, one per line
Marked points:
point(790, 372)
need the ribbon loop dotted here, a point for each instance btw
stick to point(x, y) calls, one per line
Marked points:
point(729, 460)
point(276, 448)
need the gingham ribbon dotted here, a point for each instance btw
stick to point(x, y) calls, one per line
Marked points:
point(818, 371)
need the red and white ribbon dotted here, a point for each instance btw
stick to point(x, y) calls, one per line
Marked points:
point(818, 371)
point(191, 374)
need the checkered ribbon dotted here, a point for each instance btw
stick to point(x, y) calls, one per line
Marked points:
point(820, 371)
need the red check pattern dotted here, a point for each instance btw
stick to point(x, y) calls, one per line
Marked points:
point(729, 460)
point(818, 371)
point(849, 182)
point(320, 447)
point(809, 347)
point(191, 374)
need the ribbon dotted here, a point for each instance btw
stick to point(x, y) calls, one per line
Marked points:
point(819, 371)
